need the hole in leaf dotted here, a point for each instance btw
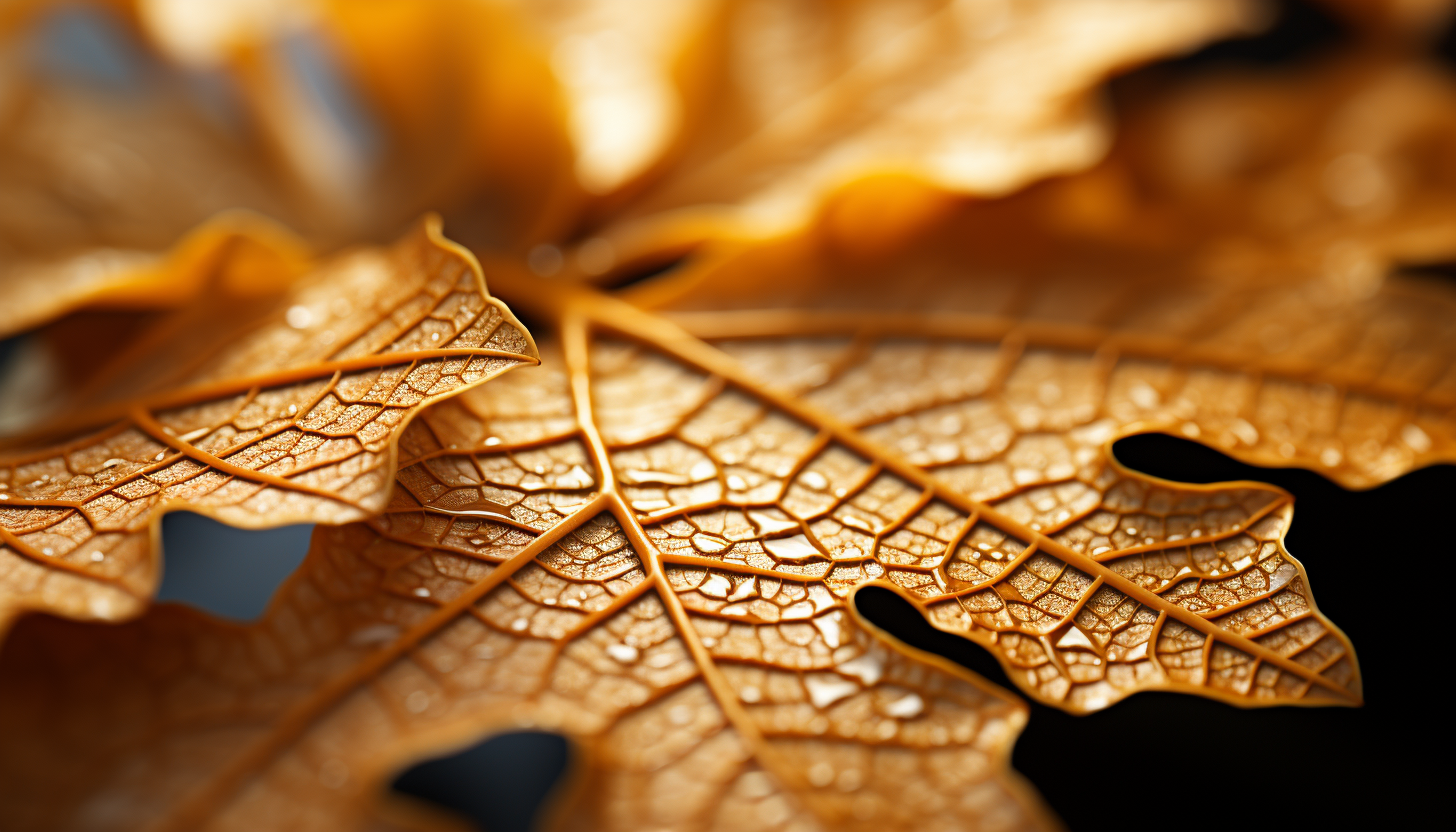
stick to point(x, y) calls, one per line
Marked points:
point(500, 784)
point(895, 615)
point(1444, 270)
point(1277, 760)
point(231, 573)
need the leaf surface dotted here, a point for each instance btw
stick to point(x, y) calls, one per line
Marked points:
point(256, 411)
point(650, 550)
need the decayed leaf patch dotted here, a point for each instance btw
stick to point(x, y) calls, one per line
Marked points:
point(285, 410)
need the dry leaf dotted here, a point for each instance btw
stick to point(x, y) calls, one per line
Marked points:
point(99, 183)
point(232, 254)
point(256, 411)
point(651, 546)
point(1341, 163)
point(799, 100)
point(99, 177)
point(694, 119)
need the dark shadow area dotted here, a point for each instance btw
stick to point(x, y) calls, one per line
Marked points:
point(1433, 271)
point(500, 784)
point(1299, 31)
point(1367, 554)
point(643, 272)
point(228, 572)
point(1445, 45)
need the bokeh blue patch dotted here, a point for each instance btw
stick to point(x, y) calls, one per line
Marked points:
point(231, 573)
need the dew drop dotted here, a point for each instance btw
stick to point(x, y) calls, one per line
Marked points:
point(475, 541)
point(519, 624)
point(417, 702)
point(814, 480)
point(492, 441)
point(797, 547)
point(821, 774)
point(868, 667)
point(97, 557)
point(756, 784)
point(624, 653)
point(1415, 438)
point(422, 591)
point(826, 688)
point(298, 316)
point(906, 707)
point(333, 774)
point(750, 694)
point(47, 551)
point(292, 409)
point(544, 260)
point(374, 634)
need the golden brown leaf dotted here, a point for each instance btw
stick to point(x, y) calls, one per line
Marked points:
point(979, 98)
point(257, 411)
point(97, 184)
point(694, 119)
point(98, 179)
point(511, 585)
point(652, 549)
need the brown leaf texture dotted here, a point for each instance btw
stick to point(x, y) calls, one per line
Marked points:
point(652, 547)
point(525, 583)
point(258, 412)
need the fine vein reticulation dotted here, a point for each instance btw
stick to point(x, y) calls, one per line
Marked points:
point(654, 553)
point(287, 417)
